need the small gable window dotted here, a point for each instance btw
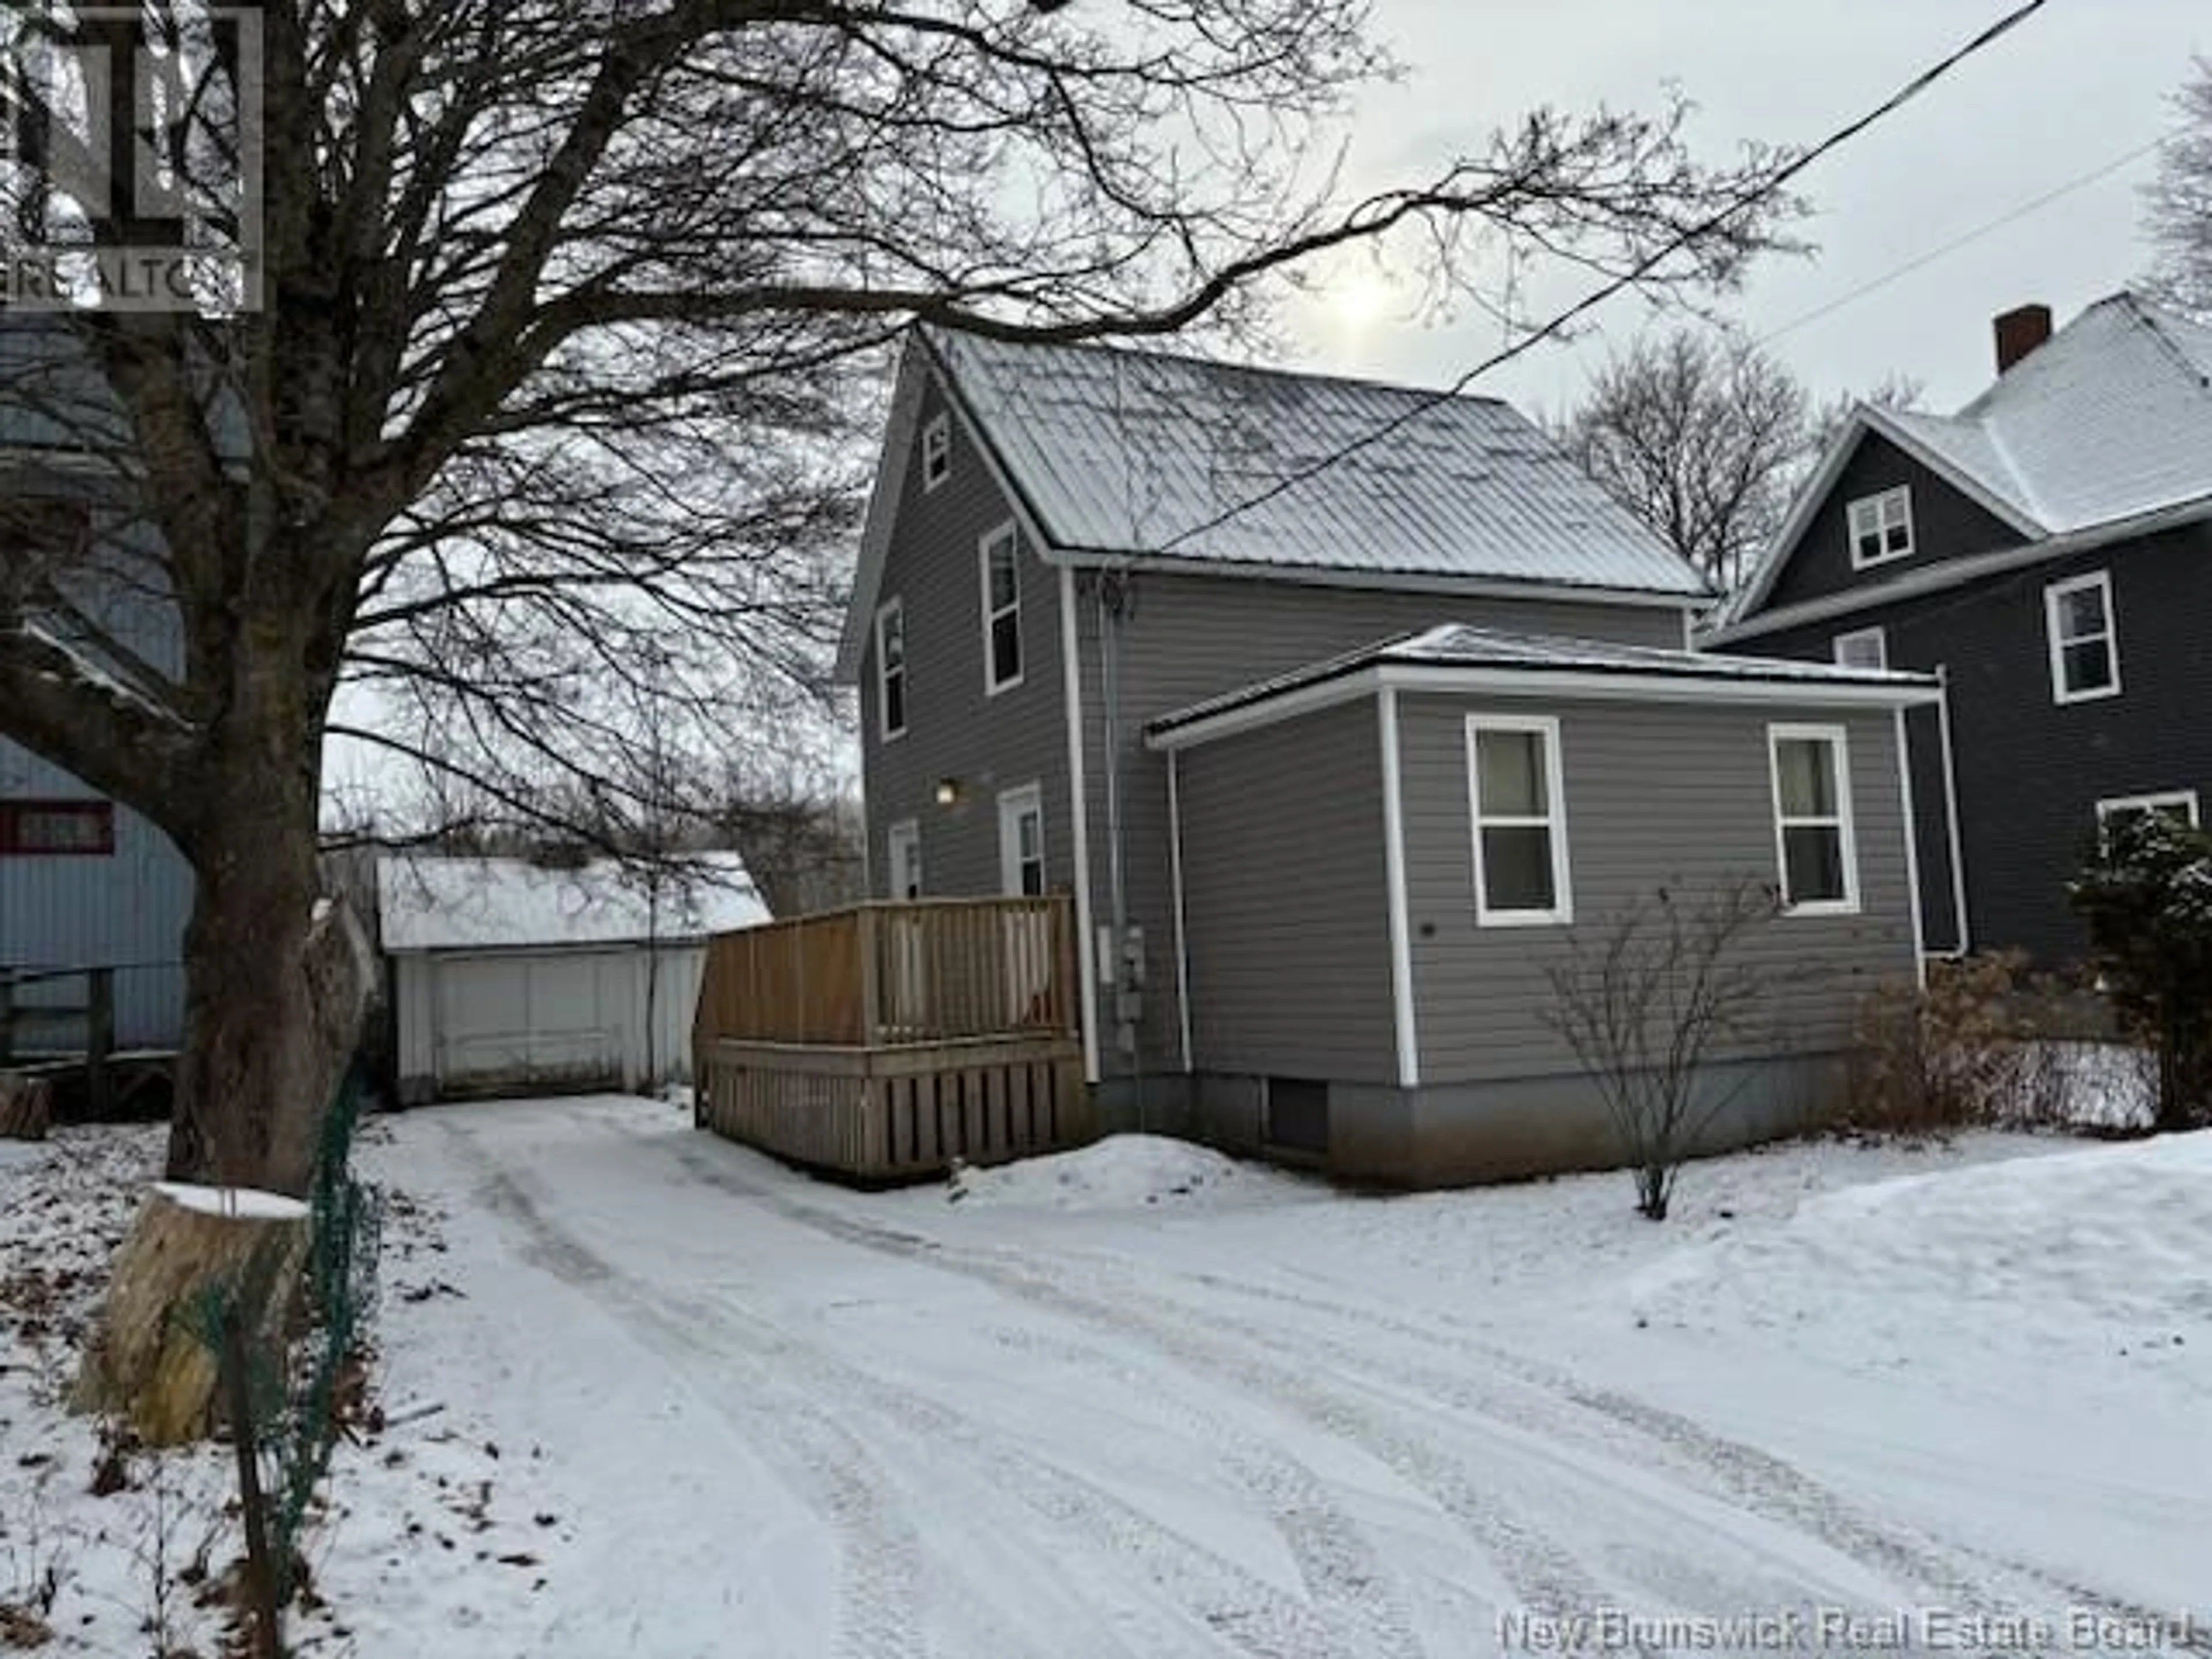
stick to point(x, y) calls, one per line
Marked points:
point(936, 452)
point(891, 669)
point(1002, 611)
point(1863, 648)
point(1881, 527)
point(2085, 647)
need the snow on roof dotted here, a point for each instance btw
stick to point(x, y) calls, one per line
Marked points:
point(2109, 418)
point(1127, 451)
point(1458, 644)
point(439, 904)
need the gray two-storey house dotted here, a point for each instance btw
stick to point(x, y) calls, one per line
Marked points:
point(2047, 551)
point(1340, 710)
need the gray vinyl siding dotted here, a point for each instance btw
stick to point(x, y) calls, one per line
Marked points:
point(1654, 794)
point(1286, 898)
point(954, 730)
point(1945, 523)
point(2031, 770)
point(1186, 638)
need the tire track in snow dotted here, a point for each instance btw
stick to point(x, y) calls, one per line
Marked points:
point(1241, 1608)
point(1536, 1566)
point(880, 1555)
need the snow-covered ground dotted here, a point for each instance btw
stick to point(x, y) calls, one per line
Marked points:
point(1142, 1400)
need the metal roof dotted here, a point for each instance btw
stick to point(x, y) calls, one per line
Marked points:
point(1460, 645)
point(2110, 420)
point(1119, 452)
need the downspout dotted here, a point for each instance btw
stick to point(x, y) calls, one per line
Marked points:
point(1951, 807)
point(1113, 597)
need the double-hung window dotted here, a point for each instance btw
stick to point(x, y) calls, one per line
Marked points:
point(1002, 611)
point(1520, 818)
point(2085, 645)
point(891, 669)
point(936, 452)
point(1813, 819)
point(1881, 527)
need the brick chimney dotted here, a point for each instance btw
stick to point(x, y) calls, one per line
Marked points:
point(2019, 331)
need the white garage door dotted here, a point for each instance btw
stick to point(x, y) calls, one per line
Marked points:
point(520, 1024)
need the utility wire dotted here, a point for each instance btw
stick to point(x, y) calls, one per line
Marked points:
point(1957, 242)
point(1643, 268)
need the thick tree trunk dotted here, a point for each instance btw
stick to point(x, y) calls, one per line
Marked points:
point(277, 982)
point(194, 1253)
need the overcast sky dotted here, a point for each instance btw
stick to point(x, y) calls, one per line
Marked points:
point(2077, 87)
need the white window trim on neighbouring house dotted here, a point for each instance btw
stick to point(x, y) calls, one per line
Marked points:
point(1003, 536)
point(891, 612)
point(2054, 598)
point(1879, 654)
point(1554, 820)
point(902, 844)
point(1015, 805)
point(936, 452)
point(2184, 798)
point(1872, 517)
point(1841, 820)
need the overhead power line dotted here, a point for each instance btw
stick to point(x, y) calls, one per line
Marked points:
point(1966, 238)
point(1643, 268)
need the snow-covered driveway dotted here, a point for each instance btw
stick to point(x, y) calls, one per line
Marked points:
point(755, 1415)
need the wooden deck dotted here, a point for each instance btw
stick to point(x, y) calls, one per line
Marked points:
point(885, 1042)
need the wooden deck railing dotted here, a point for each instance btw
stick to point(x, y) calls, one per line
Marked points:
point(879, 975)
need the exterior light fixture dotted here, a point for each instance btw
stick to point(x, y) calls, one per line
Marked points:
point(948, 791)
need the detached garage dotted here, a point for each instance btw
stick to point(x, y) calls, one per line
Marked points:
point(512, 978)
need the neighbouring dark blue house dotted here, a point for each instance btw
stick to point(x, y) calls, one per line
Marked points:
point(2047, 550)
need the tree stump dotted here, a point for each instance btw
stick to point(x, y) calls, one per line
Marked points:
point(150, 1360)
point(26, 1106)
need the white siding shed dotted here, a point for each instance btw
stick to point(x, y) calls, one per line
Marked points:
point(510, 978)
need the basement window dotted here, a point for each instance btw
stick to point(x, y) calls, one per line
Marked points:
point(1881, 527)
point(57, 829)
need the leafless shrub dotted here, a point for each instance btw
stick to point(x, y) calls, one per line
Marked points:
point(1643, 1001)
point(1961, 1053)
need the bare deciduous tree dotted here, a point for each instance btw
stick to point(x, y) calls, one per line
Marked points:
point(2178, 201)
point(1706, 437)
point(567, 316)
point(1701, 434)
point(1643, 1001)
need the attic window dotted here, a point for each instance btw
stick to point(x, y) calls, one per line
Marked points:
point(937, 451)
point(1881, 527)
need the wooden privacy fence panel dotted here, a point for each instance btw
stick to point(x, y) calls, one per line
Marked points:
point(933, 971)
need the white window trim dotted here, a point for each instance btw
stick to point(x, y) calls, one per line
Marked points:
point(1006, 532)
point(905, 831)
point(885, 730)
point(2182, 798)
point(1022, 797)
point(1879, 635)
point(936, 452)
point(1562, 910)
point(1777, 735)
point(1877, 507)
point(2053, 596)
